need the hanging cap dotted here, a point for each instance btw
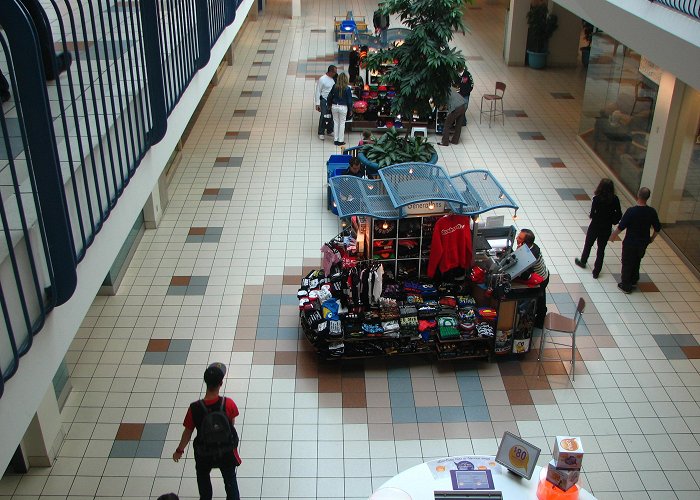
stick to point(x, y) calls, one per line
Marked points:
point(214, 374)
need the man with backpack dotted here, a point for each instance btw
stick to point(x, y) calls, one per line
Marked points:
point(216, 444)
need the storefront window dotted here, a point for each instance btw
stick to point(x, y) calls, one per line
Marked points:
point(617, 109)
point(682, 214)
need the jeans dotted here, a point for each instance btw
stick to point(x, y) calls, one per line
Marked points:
point(322, 119)
point(631, 260)
point(340, 113)
point(228, 472)
point(599, 235)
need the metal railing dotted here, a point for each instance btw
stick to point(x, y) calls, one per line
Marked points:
point(690, 7)
point(93, 115)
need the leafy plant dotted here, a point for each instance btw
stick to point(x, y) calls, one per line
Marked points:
point(542, 26)
point(426, 65)
point(392, 148)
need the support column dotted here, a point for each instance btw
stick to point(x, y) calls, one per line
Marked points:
point(296, 8)
point(152, 210)
point(515, 41)
point(565, 42)
point(44, 435)
point(670, 144)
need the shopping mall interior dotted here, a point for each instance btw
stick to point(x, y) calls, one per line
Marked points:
point(216, 279)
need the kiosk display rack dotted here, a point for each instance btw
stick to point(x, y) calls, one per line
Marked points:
point(373, 298)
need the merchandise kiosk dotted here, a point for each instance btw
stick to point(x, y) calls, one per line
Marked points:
point(400, 279)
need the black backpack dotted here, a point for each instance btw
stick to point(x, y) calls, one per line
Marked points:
point(216, 437)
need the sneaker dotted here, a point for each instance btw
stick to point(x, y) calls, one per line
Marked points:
point(580, 263)
point(624, 288)
point(596, 274)
point(5, 95)
point(322, 137)
point(341, 143)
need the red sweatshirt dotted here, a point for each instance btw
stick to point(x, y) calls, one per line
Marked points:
point(452, 244)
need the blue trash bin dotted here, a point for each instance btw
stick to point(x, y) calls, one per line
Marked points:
point(336, 165)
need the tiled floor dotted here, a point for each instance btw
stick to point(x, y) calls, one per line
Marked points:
point(247, 216)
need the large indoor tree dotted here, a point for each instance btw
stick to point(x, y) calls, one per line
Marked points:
point(426, 64)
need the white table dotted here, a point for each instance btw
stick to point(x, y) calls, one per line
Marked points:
point(420, 482)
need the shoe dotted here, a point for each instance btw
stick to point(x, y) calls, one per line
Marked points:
point(341, 144)
point(596, 274)
point(579, 263)
point(63, 62)
point(624, 288)
point(441, 144)
point(5, 95)
point(322, 137)
point(336, 143)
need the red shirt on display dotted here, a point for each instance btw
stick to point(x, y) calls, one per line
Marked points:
point(452, 244)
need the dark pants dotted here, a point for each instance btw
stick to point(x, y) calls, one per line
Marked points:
point(454, 119)
point(4, 84)
point(598, 235)
point(631, 260)
point(43, 29)
point(204, 481)
point(541, 311)
point(325, 125)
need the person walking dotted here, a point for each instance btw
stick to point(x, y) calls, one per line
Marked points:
point(340, 98)
point(216, 445)
point(605, 213)
point(381, 24)
point(323, 87)
point(637, 221)
point(455, 119)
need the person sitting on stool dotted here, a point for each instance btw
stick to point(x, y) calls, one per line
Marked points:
point(455, 118)
point(527, 237)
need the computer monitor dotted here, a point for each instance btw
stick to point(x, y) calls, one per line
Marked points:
point(517, 455)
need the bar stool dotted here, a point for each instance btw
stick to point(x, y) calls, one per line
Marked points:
point(419, 130)
point(554, 322)
point(492, 99)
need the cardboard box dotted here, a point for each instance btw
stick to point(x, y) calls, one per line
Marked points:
point(562, 478)
point(568, 452)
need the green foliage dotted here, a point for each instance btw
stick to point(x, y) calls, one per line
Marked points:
point(426, 64)
point(392, 148)
point(542, 26)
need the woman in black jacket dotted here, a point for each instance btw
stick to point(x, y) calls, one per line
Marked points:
point(605, 213)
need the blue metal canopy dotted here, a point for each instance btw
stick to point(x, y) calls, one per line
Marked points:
point(468, 193)
point(356, 196)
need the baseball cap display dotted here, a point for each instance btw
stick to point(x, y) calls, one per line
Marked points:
point(214, 374)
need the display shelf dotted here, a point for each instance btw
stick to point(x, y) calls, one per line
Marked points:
point(460, 339)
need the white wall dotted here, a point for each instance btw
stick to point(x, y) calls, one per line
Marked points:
point(25, 390)
point(666, 37)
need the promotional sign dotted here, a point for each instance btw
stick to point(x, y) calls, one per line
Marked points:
point(425, 207)
point(517, 455)
point(441, 467)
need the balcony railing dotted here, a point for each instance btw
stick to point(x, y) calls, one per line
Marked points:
point(690, 7)
point(69, 145)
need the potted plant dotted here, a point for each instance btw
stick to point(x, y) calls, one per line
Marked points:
point(588, 29)
point(541, 27)
point(425, 65)
point(392, 148)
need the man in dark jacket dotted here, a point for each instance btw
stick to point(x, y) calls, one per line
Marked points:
point(638, 221)
point(381, 24)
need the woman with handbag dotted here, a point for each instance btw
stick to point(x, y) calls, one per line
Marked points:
point(340, 99)
point(605, 213)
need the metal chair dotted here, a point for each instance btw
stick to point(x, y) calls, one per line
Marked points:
point(554, 322)
point(493, 99)
point(638, 87)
